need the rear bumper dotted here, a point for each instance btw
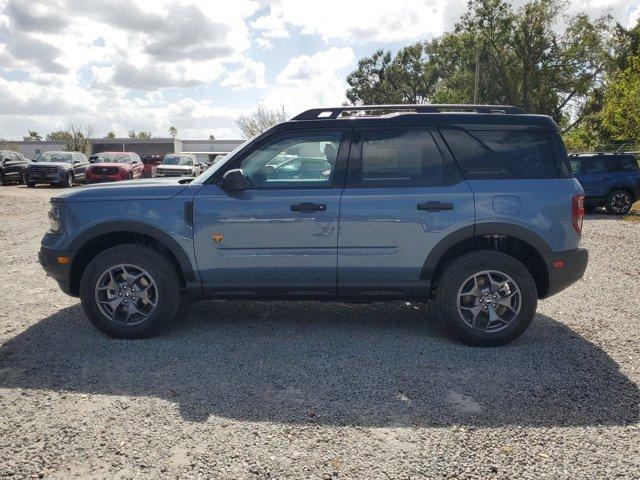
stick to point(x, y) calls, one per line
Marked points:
point(60, 272)
point(574, 266)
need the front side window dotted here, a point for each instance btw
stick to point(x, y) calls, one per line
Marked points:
point(304, 159)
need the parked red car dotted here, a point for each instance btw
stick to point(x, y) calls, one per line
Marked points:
point(150, 163)
point(114, 166)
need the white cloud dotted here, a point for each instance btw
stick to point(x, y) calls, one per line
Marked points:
point(311, 80)
point(360, 20)
point(247, 74)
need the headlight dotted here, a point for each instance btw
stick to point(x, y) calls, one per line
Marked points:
point(54, 219)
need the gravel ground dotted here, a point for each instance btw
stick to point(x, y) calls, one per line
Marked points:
point(315, 391)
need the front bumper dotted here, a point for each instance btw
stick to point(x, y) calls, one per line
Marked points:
point(60, 272)
point(574, 266)
point(44, 177)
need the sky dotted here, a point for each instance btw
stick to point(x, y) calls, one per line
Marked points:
point(198, 65)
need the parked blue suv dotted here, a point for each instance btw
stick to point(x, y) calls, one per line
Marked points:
point(473, 207)
point(610, 180)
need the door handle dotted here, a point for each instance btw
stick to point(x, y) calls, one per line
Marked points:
point(435, 206)
point(308, 207)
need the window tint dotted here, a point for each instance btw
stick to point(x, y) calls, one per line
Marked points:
point(399, 158)
point(592, 165)
point(626, 163)
point(305, 159)
point(502, 154)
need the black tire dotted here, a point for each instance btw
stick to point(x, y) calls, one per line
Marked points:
point(619, 202)
point(159, 268)
point(68, 181)
point(457, 273)
point(31, 184)
point(1, 179)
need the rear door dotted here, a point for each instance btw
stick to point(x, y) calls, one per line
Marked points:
point(80, 164)
point(593, 176)
point(403, 195)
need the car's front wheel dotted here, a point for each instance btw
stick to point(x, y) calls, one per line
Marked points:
point(486, 298)
point(68, 180)
point(619, 202)
point(130, 291)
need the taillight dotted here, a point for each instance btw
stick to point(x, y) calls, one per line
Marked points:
point(577, 211)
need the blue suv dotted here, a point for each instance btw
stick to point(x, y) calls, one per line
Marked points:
point(610, 180)
point(472, 207)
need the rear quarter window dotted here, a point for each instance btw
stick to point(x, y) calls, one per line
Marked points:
point(505, 154)
point(626, 163)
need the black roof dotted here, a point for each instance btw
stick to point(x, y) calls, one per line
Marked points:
point(477, 117)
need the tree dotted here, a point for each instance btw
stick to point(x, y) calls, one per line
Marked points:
point(173, 131)
point(58, 136)
point(35, 136)
point(141, 135)
point(110, 135)
point(260, 120)
point(78, 138)
point(524, 60)
point(212, 137)
point(621, 107)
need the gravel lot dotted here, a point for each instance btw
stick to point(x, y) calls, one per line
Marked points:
point(314, 391)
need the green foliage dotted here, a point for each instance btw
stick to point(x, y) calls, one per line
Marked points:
point(621, 108)
point(110, 135)
point(173, 131)
point(58, 136)
point(141, 135)
point(523, 61)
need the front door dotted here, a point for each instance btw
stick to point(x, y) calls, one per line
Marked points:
point(279, 236)
point(403, 195)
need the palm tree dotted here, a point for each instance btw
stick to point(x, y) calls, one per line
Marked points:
point(173, 131)
point(35, 136)
point(212, 137)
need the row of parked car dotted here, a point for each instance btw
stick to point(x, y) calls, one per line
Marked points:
point(68, 168)
point(610, 180)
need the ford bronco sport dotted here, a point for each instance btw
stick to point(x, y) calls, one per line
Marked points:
point(473, 207)
point(611, 180)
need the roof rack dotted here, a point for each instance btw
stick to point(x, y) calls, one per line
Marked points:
point(330, 113)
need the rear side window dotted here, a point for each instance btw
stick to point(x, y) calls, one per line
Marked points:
point(502, 154)
point(401, 158)
point(625, 163)
point(591, 165)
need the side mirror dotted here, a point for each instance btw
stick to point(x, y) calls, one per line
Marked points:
point(234, 180)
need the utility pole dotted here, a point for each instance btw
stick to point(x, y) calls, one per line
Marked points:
point(477, 81)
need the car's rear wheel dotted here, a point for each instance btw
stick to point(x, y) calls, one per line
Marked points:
point(1, 179)
point(619, 202)
point(130, 291)
point(486, 298)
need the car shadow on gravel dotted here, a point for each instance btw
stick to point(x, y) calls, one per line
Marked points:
point(331, 364)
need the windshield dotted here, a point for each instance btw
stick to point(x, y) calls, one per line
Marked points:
point(55, 157)
point(111, 158)
point(177, 160)
point(220, 162)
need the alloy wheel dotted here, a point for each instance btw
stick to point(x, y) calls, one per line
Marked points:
point(620, 202)
point(126, 294)
point(489, 301)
